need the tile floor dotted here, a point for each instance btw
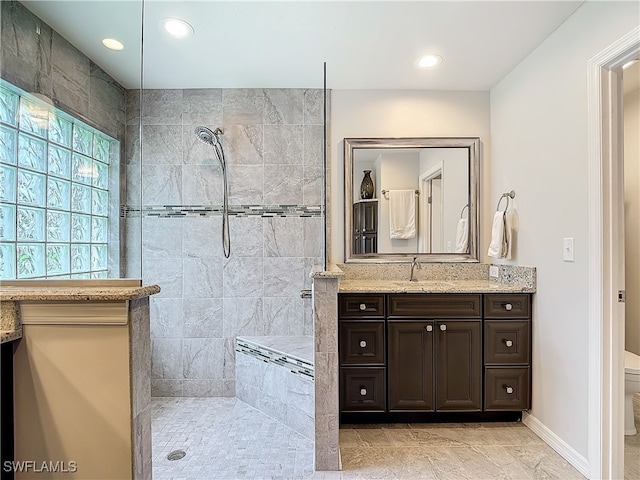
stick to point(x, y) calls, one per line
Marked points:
point(226, 439)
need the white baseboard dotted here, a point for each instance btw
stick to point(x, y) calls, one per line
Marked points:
point(560, 446)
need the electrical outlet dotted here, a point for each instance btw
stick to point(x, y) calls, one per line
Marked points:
point(494, 272)
point(567, 249)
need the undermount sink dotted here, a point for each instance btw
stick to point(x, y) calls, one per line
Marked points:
point(422, 283)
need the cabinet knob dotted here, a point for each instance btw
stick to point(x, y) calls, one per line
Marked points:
point(428, 328)
point(363, 306)
point(508, 307)
point(443, 327)
point(363, 391)
point(508, 389)
point(363, 344)
point(508, 343)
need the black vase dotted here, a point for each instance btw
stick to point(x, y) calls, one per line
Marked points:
point(366, 187)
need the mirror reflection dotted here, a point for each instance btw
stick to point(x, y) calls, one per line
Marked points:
point(410, 197)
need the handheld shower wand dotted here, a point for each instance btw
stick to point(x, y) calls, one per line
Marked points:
point(209, 137)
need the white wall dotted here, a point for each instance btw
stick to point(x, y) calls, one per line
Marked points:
point(400, 113)
point(539, 149)
point(632, 218)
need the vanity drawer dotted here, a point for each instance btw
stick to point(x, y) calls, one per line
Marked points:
point(361, 305)
point(434, 305)
point(362, 389)
point(506, 388)
point(509, 305)
point(507, 342)
point(362, 342)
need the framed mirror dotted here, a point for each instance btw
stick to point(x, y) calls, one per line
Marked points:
point(407, 197)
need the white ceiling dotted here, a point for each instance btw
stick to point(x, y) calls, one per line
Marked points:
point(267, 44)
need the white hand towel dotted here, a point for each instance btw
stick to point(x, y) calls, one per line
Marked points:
point(497, 247)
point(511, 229)
point(462, 235)
point(402, 213)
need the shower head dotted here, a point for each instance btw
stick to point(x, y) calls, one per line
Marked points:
point(208, 136)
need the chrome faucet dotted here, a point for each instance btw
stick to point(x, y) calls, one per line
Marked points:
point(414, 263)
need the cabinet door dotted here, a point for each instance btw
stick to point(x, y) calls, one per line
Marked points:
point(370, 243)
point(370, 217)
point(410, 366)
point(458, 365)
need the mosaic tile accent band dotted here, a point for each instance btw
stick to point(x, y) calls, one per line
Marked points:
point(295, 365)
point(166, 211)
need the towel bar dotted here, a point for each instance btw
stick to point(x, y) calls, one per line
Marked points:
point(387, 191)
point(508, 195)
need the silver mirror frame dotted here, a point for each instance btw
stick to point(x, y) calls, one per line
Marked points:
point(471, 143)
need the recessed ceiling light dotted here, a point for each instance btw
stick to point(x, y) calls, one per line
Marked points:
point(177, 28)
point(112, 44)
point(429, 61)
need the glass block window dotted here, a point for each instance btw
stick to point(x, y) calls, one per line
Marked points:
point(54, 191)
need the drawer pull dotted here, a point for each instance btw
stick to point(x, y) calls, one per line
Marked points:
point(508, 343)
point(363, 306)
point(508, 389)
point(428, 328)
point(363, 391)
point(508, 307)
point(363, 344)
point(443, 327)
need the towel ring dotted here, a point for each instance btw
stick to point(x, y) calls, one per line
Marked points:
point(508, 195)
point(462, 211)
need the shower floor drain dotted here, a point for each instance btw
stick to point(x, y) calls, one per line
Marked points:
point(176, 455)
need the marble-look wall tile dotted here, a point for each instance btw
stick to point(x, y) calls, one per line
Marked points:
point(244, 145)
point(283, 276)
point(283, 106)
point(71, 71)
point(166, 358)
point(162, 107)
point(162, 144)
point(202, 318)
point(106, 101)
point(162, 184)
point(202, 388)
point(132, 107)
point(243, 316)
point(282, 236)
point(202, 358)
point(201, 237)
point(312, 185)
point(283, 316)
point(167, 273)
point(280, 189)
point(313, 107)
point(202, 276)
point(202, 107)
point(257, 290)
point(166, 317)
point(166, 388)
point(162, 237)
point(132, 152)
point(202, 185)
point(243, 106)
point(283, 145)
point(313, 140)
point(246, 235)
point(243, 277)
point(245, 184)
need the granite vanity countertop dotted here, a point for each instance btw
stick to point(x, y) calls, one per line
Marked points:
point(10, 335)
point(75, 293)
point(431, 286)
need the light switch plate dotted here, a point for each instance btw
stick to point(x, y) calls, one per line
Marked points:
point(567, 249)
point(494, 272)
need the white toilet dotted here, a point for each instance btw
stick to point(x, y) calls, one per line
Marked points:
point(631, 386)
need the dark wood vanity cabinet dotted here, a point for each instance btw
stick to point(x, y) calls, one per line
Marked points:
point(432, 353)
point(365, 226)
